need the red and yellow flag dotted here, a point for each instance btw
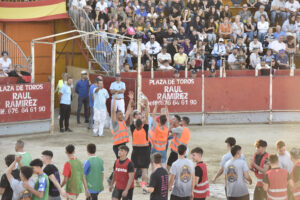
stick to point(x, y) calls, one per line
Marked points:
point(33, 11)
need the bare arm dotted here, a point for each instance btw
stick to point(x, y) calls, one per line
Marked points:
point(266, 187)
point(248, 178)
point(113, 110)
point(219, 173)
point(171, 181)
point(87, 194)
point(64, 181)
point(193, 185)
point(130, 180)
point(57, 185)
point(39, 194)
point(146, 112)
point(129, 108)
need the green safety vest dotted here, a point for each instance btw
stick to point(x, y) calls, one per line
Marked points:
point(36, 187)
point(94, 178)
point(60, 84)
point(74, 184)
point(26, 158)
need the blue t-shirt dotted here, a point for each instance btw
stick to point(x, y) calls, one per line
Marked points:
point(100, 99)
point(118, 86)
point(86, 171)
point(277, 35)
point(82, 88)
point(91, 92)
point(65, 98)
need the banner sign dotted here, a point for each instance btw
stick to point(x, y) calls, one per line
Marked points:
point(24, 102)
point(33, 10)
point(180, 95)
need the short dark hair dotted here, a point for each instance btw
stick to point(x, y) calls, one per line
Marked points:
point(260, 143)
point(231, 141)
point(273, 158)
point(20, 144)
point(235, 149)
point(36, 163)
point(280, 144)
point(186, 120)
point(91, 148)
point(177, 117)
point(156, 158)
point(70, 149)
point(198, 150)
point(48, 153)
point(181, 149)
point(26, 171)
point(124, 147)
point(163, 119)
point(9, 159)
point(139, 123)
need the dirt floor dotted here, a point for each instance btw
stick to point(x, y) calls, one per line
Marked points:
point(210, 138)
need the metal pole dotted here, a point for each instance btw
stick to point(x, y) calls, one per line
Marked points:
point(139, 77)
point(271, 97)
point(90, 67)
point(202, 123)
point(32, 63)
point(52, 87)
point(118, 58)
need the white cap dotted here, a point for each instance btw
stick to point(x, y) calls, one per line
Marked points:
point(221, 40)
point(83, 72)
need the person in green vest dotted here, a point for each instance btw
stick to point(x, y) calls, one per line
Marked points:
point(94, 172)
point(41, 187)
point(73, 175)
point(62, 81)
point(26, 157)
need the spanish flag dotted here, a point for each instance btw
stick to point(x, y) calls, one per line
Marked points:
point(33, 11)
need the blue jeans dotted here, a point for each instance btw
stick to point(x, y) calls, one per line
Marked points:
point(85, 102)
point(162, 153)
point(261, 36)
point(275, 14)
point(250, 35)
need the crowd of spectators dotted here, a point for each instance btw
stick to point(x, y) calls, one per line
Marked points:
point(197, 33)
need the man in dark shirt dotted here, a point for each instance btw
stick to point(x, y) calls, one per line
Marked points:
point(168, 36)
point(54, 178)
point(173, 48)
point(82, 89)
point(158, 186)
point(5, 189)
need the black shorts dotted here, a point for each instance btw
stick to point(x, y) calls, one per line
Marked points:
point(118, 194)
point(173, 197)
point(141, 157)
point(172, 158)
point(246, 197)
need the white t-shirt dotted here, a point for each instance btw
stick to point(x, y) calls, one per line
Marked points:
point(134, 48)
point(231, 58)
point(275, 45)
point(263, 27)
point(102, 7)
point(162, 56)
point(79, 3)
point(163, 67)
point(153, 48)
point(5, 64)
point(122, 49)
point(18, 188)
point(292, 6)
point(285, 161)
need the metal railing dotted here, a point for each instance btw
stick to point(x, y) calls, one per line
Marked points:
point(15, 53)
point(100, 46)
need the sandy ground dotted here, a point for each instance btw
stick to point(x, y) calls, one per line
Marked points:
point(210, 138)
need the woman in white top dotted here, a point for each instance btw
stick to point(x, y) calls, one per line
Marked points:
point(238, 29)
point(5, 62)
point(262, 27)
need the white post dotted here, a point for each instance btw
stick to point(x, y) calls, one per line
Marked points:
point(90, 67)
point(202, 123)
point(139, 77)
point(52, 87)
point(118, 57)
point(292, 66)
point(271, 97)
point(32, 63)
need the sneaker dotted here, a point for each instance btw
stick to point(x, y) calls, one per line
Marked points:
point(62, 130)
point(86, 121)
point(69, 130)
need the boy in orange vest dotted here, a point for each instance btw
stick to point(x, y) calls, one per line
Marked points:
point(260, 165)
point(276, 180)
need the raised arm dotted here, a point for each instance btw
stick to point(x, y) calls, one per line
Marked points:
point(146, 112)
point(113, 110)
point(129, 108)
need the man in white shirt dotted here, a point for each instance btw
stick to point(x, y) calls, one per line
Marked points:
point(153, 47)
point(5, 62)
point(255, 44)
point(100, 96)
point(277, 45)
point(255, 59)
point(122, 52)
point(102, 5)
point(284, 157)
point(260, 12)
point(133, 48)
point(278, 10)
point(78, 4)
point(232, 59)
point(163, 56)
point(165, 66)
point(292, 6)
point(219, 49)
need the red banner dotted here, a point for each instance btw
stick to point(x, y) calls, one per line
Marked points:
point(24, 102)
point(180, 95)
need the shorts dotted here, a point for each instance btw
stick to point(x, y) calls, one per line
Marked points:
point(259, 193)
point(54, 198)
point(162, 153)
point(172, 158)
point(173, 197)
point(246, 197)
point(140, 157)
point(118, 194)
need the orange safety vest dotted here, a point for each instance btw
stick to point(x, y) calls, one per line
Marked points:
point(201, 189)
point(296, 191)
point(159, 138)
point(121, 135)
point(259, 175)
point(139, 138)
point(277, 184)
point(183, 139)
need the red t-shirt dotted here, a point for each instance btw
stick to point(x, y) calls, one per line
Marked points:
point(67, 173)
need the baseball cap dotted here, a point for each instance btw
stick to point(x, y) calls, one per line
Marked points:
point(221, 40)
point(83, 72)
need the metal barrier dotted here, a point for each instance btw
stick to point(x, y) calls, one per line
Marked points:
point(99, 46)
point(15, 53)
